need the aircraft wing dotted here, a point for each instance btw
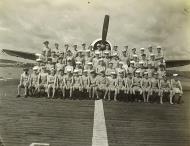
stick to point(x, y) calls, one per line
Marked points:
point(25, 55)
point(176, 63)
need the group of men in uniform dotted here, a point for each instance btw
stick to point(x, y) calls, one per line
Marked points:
point(94, 73)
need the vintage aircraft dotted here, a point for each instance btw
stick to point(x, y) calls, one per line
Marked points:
point(102, 41)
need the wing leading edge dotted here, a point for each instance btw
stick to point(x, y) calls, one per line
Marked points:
point(176, 63)
point(25, 55)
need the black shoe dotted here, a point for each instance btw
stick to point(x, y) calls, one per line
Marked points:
point(18, 96)
point(25, 96)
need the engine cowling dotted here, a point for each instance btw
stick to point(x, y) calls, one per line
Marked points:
point(99, 45)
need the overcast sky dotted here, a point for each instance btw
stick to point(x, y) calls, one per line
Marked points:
point(25, 24)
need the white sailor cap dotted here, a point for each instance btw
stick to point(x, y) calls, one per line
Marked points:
point(52, 69)
point(149, 46)
point(142, 49)
point(135, 55)
point(97, 52)
point(43, 67)
point(35, 68)
point(76, 71)
point(121, 72)
point(152, 54)
point(69, 58)
point(69, 70)
point(137, 71)
point(155, 73)
point(159, 47)
point(78, 62)
point(85, 70)
point(101, 59)
point(132, 62)
point(175, 75)
point(145, 73)
point(80, 50)
point(88, 50)
point(120, 62)
point(113, 73)
point(115, 54)
point(133, 48)
point(89, 63)
point(106, 52)
point(110, 62)
point(98, 45)
point(141, 62)
point(38, 60)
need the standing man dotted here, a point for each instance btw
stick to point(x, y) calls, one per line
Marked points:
point(112, 86)
point(159, 53)
point(75, 50)
point(176, 88)
point(149, 52)
point(137, 83)
point(165, 87)
point(47, 49)
point(51, 83)
point(33, 81)
point(24, 82)
point(155, 85)
point(102, 84)
point(83, 46)
point(115, 50)
point(56, 50)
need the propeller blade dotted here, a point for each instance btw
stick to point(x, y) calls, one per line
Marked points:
point(105, 28)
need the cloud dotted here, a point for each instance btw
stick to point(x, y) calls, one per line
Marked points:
point(24, 24)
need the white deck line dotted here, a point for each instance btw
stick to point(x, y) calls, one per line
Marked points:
point(99, 137)
point(39, 144)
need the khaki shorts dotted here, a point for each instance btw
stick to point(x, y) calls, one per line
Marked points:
point(102, 87)
point(137, 88)
point(155, 90)
point(176, 91)
point(24, 84)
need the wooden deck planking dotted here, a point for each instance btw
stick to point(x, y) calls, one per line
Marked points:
point(139, 124)
point(58, 122)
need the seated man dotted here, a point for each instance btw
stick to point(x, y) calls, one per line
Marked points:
point(121, 88)
point(93, 84)
point(176, 88)
point(102, 84)
point(155, 85)
point(145, 85)
point(86, 84)
point(33, 84)
point(165, 87)
point(24, 82)
point(68, 83)
point(101, 66)
point(51, 80)
point(42, 80)
point(77, 84)
point(109, 69)
point(120, 68)
point(112, 86)
point(59, 81)
point(137, 83)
